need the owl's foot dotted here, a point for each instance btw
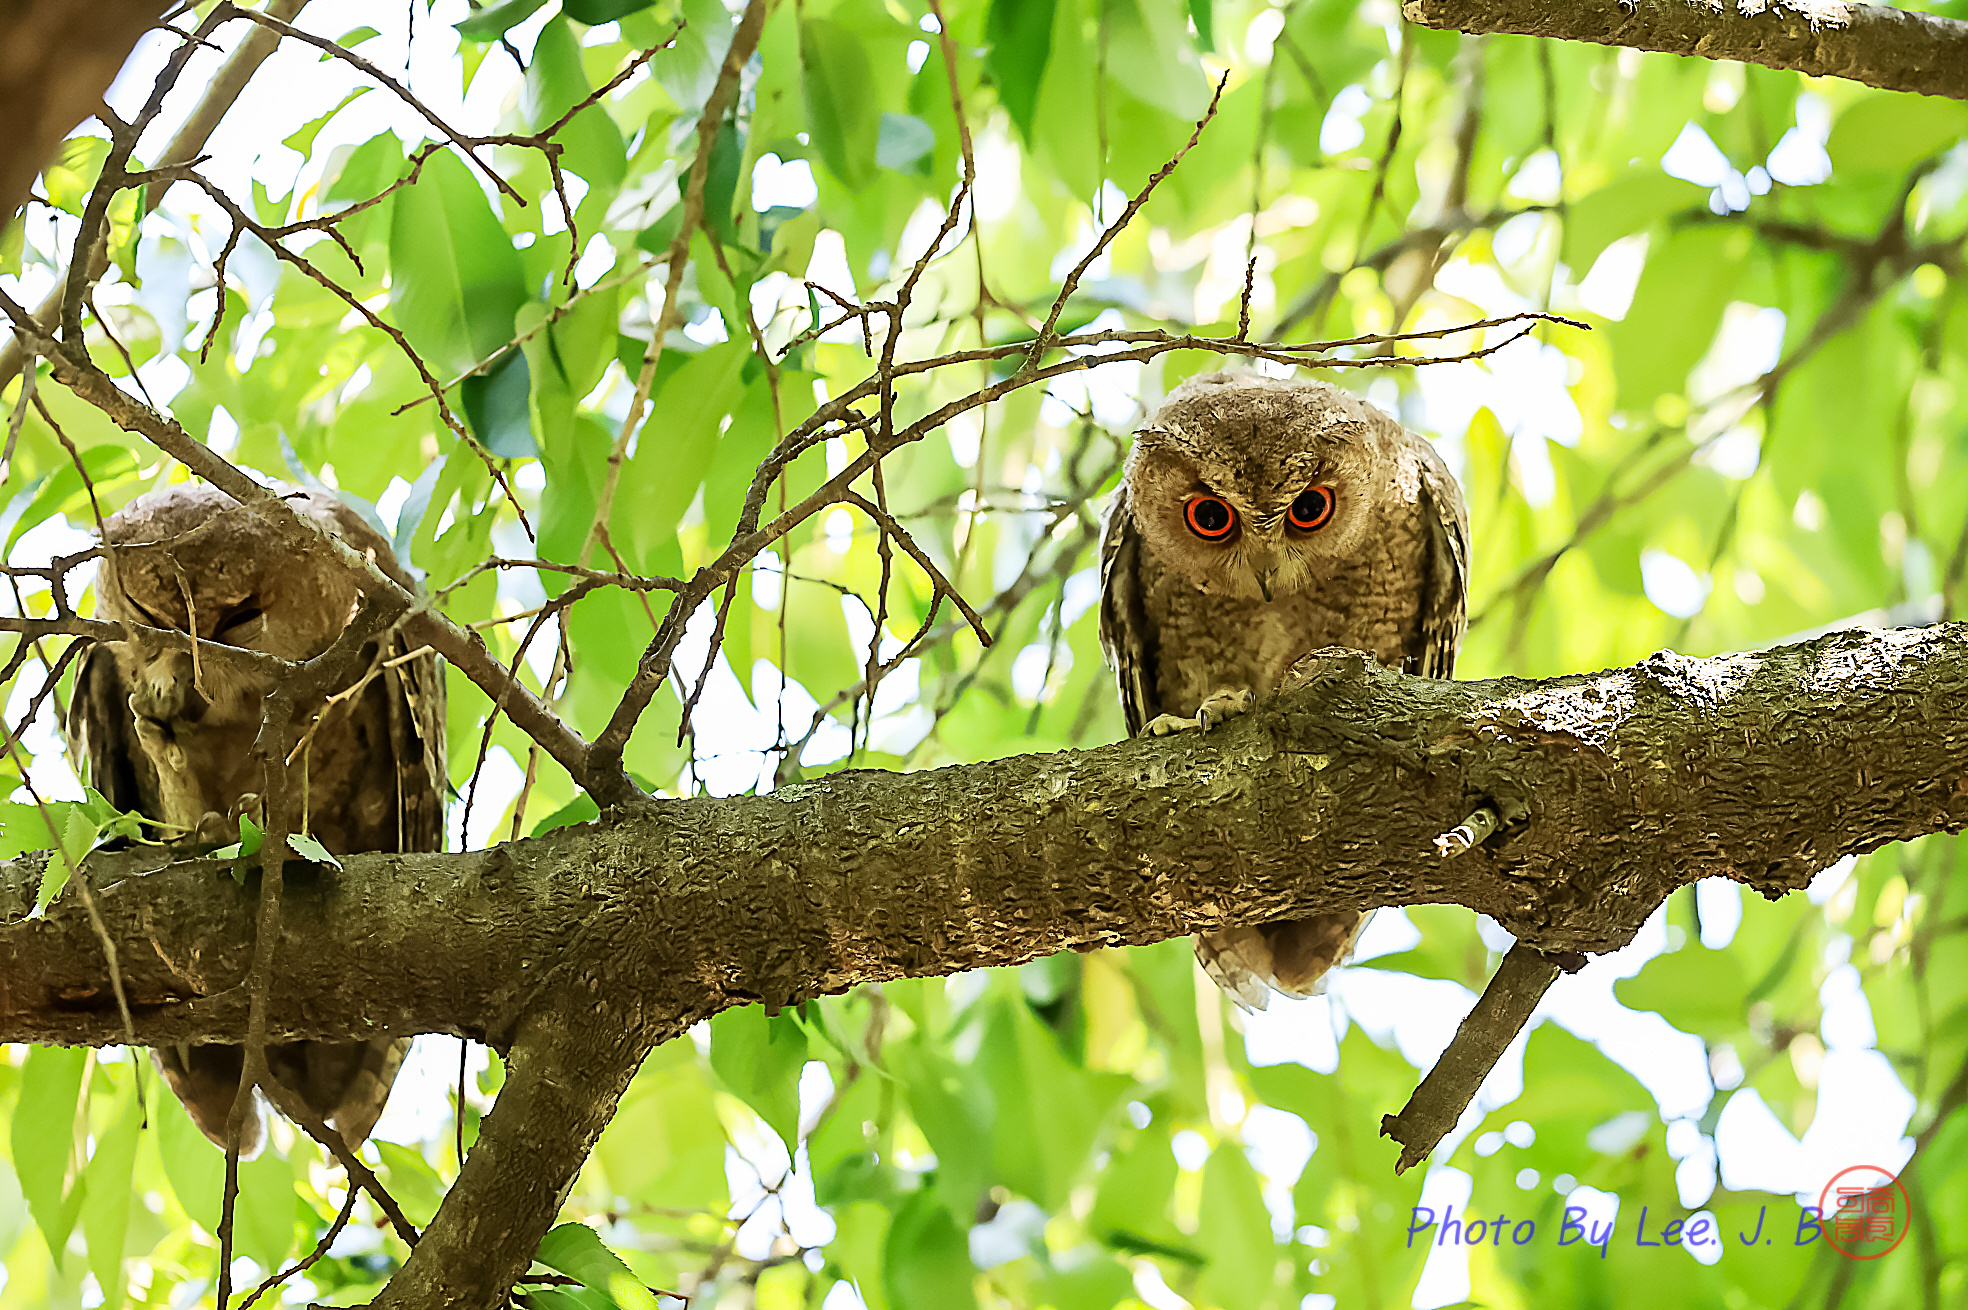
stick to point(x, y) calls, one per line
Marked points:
point(1220, 706)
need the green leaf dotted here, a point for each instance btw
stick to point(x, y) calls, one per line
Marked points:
point(1629, 204)
point(926, 1262)
point(721, 181)
point(579, 810)
point(596, 12)
point(1048, 1112)
point(1204, 17)
point(1020, 36)
point(1235, 1233)
point(303, 140)
point(841, 110)
point(13, 1209)
point(355, 36)
point(1695, 989)
point(194, 1167)
point(1889, 133)
point(44, 1143)
point(1689, 279)
point(268, 1210)
point(107, 1192)
point(555, 83)
point(575, 1250)
point(497, 405)
point(904, 143)
point(492, 22)
point(455, 279)
point(411, 1180)
point(248, 844)
point(1149, 52)
point(759, 1059)
point(72, 176)
point(309, 848)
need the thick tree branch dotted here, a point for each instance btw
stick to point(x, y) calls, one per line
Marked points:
point(1763, 768)
point(579, 950)
point(1505, 1006)
point(1893, 49)
point(220, 93)
point(57, 58)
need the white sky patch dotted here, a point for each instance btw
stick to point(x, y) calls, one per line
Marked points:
point(1694, 1176)
point(828, 268)
point(1289, 1031)
point(787, 182)
point(1445, 1273)
point(1342, 130)
point(1483, 286)
point(1830, 880)
point(1614, 276)
point(499, 782)
point(1518, 239)
point(1672, 584)
point(1000, 168)
point(1719, 902)
point(1389, 930)
point(1694, 157)
point(1846, 1024)
point(922, 229)
point(1539, 179)
point(1670, 1064)
point(597, 259)
point(1279, 1145)
point(421, 1104)
point(1799, 157)
point(1747, 345)
point(1262, 34)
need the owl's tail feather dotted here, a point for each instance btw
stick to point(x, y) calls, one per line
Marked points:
point(1292, 956)
point(345, 1083)
point(206, 1079)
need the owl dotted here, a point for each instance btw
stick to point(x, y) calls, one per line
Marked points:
point(1258, 520)
point(172, 738)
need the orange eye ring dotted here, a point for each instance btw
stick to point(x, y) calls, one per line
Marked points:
point(1210, 517)
point(1313, 509)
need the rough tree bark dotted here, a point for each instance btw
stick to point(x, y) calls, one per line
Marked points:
point(579, 950)
point(1894, 49)
point(57, 57)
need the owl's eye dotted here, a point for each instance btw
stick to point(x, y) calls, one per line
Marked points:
point(1313, 509)
point(1210, 517)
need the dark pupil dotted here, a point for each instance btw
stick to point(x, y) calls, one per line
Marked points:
point(1211, 516)
point(1309, 506)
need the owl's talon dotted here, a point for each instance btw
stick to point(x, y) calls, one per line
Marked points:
point(1167, 725)
point(1223, 705)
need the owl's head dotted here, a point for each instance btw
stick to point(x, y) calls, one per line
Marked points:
point(1255, 487)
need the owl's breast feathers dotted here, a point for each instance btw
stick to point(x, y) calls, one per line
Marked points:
point(1401, 600)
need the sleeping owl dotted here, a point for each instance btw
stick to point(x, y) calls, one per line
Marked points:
point(1257, 521)
point(173, 739)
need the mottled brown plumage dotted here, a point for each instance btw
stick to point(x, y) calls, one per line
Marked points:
point(174, 740)
point(1213, 587)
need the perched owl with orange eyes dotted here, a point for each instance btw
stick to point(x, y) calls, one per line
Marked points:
point(1257, 521)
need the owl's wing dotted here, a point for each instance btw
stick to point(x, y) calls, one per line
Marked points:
point(416, 708)
point(1126, 634)
point(1444, 568)
point(101, 736)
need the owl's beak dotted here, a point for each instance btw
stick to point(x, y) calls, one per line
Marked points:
point(1263, 575)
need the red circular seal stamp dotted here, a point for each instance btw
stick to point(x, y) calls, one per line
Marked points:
point(1863, 1212)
